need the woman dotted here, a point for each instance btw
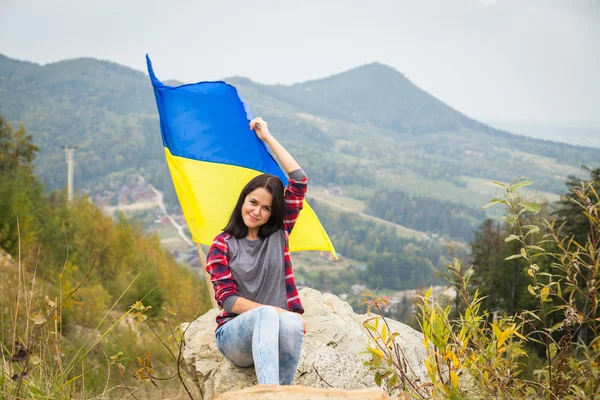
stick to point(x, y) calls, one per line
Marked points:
point(250, 268)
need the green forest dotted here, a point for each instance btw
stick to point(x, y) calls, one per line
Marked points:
point(392, 262)
point(451, 220)
point(74, 276)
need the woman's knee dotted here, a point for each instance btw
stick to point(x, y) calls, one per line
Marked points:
point(290, 323)
point(268, 313)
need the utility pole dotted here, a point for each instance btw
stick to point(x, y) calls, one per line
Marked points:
point(69, 150)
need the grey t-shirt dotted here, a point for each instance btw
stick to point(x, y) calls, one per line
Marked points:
point(258, 267)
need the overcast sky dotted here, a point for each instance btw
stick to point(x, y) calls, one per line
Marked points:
point(523, 60)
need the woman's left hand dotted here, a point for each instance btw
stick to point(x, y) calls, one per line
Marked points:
point(261, 128)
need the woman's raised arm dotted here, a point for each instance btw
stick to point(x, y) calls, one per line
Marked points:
point(262, 131)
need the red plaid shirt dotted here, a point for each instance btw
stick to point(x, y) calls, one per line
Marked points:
point(217, 261)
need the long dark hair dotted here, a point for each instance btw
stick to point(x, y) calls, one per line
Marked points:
point(272, 184)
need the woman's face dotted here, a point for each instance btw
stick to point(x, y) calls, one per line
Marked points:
point(256, 210)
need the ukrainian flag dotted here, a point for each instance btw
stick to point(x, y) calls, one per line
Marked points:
point(212, 154)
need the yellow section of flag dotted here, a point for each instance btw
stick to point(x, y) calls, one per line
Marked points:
point(208, 191)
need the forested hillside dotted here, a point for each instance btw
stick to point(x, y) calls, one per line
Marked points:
point(89, 267)
point(441, 217)
point(392, 261)
point(43, 229)
point(367, 130)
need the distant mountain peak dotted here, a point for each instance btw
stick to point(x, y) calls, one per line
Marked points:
point(376, 66)
point(360, 72)
point(373, 93)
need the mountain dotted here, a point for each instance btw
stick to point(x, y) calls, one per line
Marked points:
point(366, 130)
point(373, 94)
point(106, 109)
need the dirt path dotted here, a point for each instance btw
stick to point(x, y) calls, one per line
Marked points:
point(176, 224)
point(145, 205)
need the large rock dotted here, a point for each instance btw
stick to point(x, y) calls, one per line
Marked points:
point(273, 392)
point(330, 353)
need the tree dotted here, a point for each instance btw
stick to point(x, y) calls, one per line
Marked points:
point(16, 147)
point(20, 192)
point(503, 283)
point(569, 212)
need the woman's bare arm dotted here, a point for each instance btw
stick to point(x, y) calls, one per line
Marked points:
point(242, 305)
point(262, 131)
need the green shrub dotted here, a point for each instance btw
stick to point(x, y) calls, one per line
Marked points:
point(478, 355)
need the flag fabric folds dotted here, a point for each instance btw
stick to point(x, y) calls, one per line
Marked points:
point(212, 154)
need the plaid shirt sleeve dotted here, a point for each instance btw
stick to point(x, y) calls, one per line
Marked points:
point(294, 196)
point(217, 265)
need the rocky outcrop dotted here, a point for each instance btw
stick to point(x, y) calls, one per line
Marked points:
point(273, 392)
point(331, 352)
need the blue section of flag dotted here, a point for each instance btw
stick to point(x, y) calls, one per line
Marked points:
point(208, 121)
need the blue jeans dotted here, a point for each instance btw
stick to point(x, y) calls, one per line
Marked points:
point(267, 339)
